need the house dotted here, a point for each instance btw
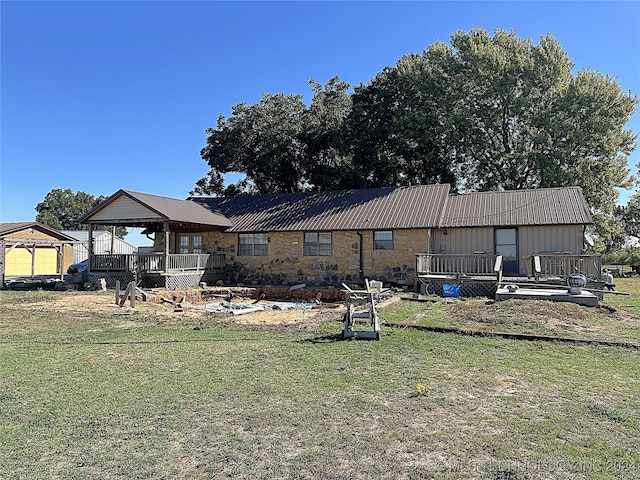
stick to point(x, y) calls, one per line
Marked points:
point(103, 242)
point(327, 238)
point(32, 249)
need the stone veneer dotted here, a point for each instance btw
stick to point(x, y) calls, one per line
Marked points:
point(286, 265)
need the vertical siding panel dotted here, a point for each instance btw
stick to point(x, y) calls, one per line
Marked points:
point(463, 240)
point(550, 238)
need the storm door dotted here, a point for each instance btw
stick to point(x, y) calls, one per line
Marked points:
point(507, 246)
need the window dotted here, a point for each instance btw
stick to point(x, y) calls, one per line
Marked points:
point(252, 244)
point(196, 244)
point(383, 240)
point(189, 243)
point(317, 243)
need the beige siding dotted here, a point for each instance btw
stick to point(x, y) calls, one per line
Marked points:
point(531, 240)
point(31, 233)
point(550, 238)
point(463, 240)
point(124, 208)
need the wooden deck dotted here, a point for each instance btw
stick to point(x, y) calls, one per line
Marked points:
point(479, 275)
point(158, 270)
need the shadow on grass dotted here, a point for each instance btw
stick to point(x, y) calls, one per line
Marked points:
point(332, 338)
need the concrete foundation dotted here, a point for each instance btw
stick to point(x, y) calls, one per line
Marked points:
point(585, 298)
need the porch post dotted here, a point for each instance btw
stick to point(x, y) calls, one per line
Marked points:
point(90, 247)
point(2, 262)
point(33, 262)
point(61, 258)
point(166, 247)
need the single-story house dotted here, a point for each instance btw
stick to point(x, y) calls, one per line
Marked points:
point(327, 238)
point(32, 249)
point(103, 242)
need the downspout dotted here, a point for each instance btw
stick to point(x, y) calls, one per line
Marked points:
point(361, 264)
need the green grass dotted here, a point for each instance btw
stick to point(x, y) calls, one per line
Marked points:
point(617, 318)
point(81, 397)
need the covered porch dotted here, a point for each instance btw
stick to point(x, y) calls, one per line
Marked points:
point(177, 227)
point(152, 270)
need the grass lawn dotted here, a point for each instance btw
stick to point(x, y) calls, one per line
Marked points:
point(155, 396)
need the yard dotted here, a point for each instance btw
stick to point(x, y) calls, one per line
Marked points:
point(90, 390)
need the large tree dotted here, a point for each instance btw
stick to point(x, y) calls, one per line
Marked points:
point(484, 112)
point(261, 141)
point(62, 209)
point(515, 116)
point(327, 162)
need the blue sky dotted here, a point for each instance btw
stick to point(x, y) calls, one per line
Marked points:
point(98, 96)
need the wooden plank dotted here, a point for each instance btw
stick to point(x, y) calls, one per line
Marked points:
point(247, 310)
point(126, 294)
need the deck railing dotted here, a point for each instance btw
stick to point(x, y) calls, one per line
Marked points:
point(561, 265)
point(155, 262)
point(468, 264)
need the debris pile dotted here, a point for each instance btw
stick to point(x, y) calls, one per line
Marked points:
point(242, 308)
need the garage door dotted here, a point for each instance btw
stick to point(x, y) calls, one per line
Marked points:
point(18, 262)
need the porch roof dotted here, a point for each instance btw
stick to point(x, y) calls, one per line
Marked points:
point(137, 209)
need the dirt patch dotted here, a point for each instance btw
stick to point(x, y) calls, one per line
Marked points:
point(566, 316)
point(176, 306)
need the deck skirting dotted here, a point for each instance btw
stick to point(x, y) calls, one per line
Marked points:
point(176, 280)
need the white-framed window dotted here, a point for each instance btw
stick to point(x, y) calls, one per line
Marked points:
point(253, 244)
point(383, 240)
point(189, 243)
point(317, 244)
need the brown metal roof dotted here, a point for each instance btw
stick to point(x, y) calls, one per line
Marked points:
point(170, 209)
point(383, 208)
point(545, 206)
point(7, 228)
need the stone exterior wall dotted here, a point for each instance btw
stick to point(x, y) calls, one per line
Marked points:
point(286, 263)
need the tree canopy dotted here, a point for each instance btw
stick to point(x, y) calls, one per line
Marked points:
point(62, 209)
point(484, 112)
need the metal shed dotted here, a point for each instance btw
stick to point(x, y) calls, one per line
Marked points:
point(103, 242)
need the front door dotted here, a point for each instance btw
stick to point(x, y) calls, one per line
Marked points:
point(507, 246)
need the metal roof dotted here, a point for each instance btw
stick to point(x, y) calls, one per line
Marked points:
point(418, 206)
point(83, 235)
point(170, 209)
point(544, 206)
point(7, 228)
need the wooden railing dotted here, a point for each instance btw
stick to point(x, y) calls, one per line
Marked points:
point(468, 264)
point(155, 262)
point(561, 265)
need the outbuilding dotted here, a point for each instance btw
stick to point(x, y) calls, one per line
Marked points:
point(32, 249)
